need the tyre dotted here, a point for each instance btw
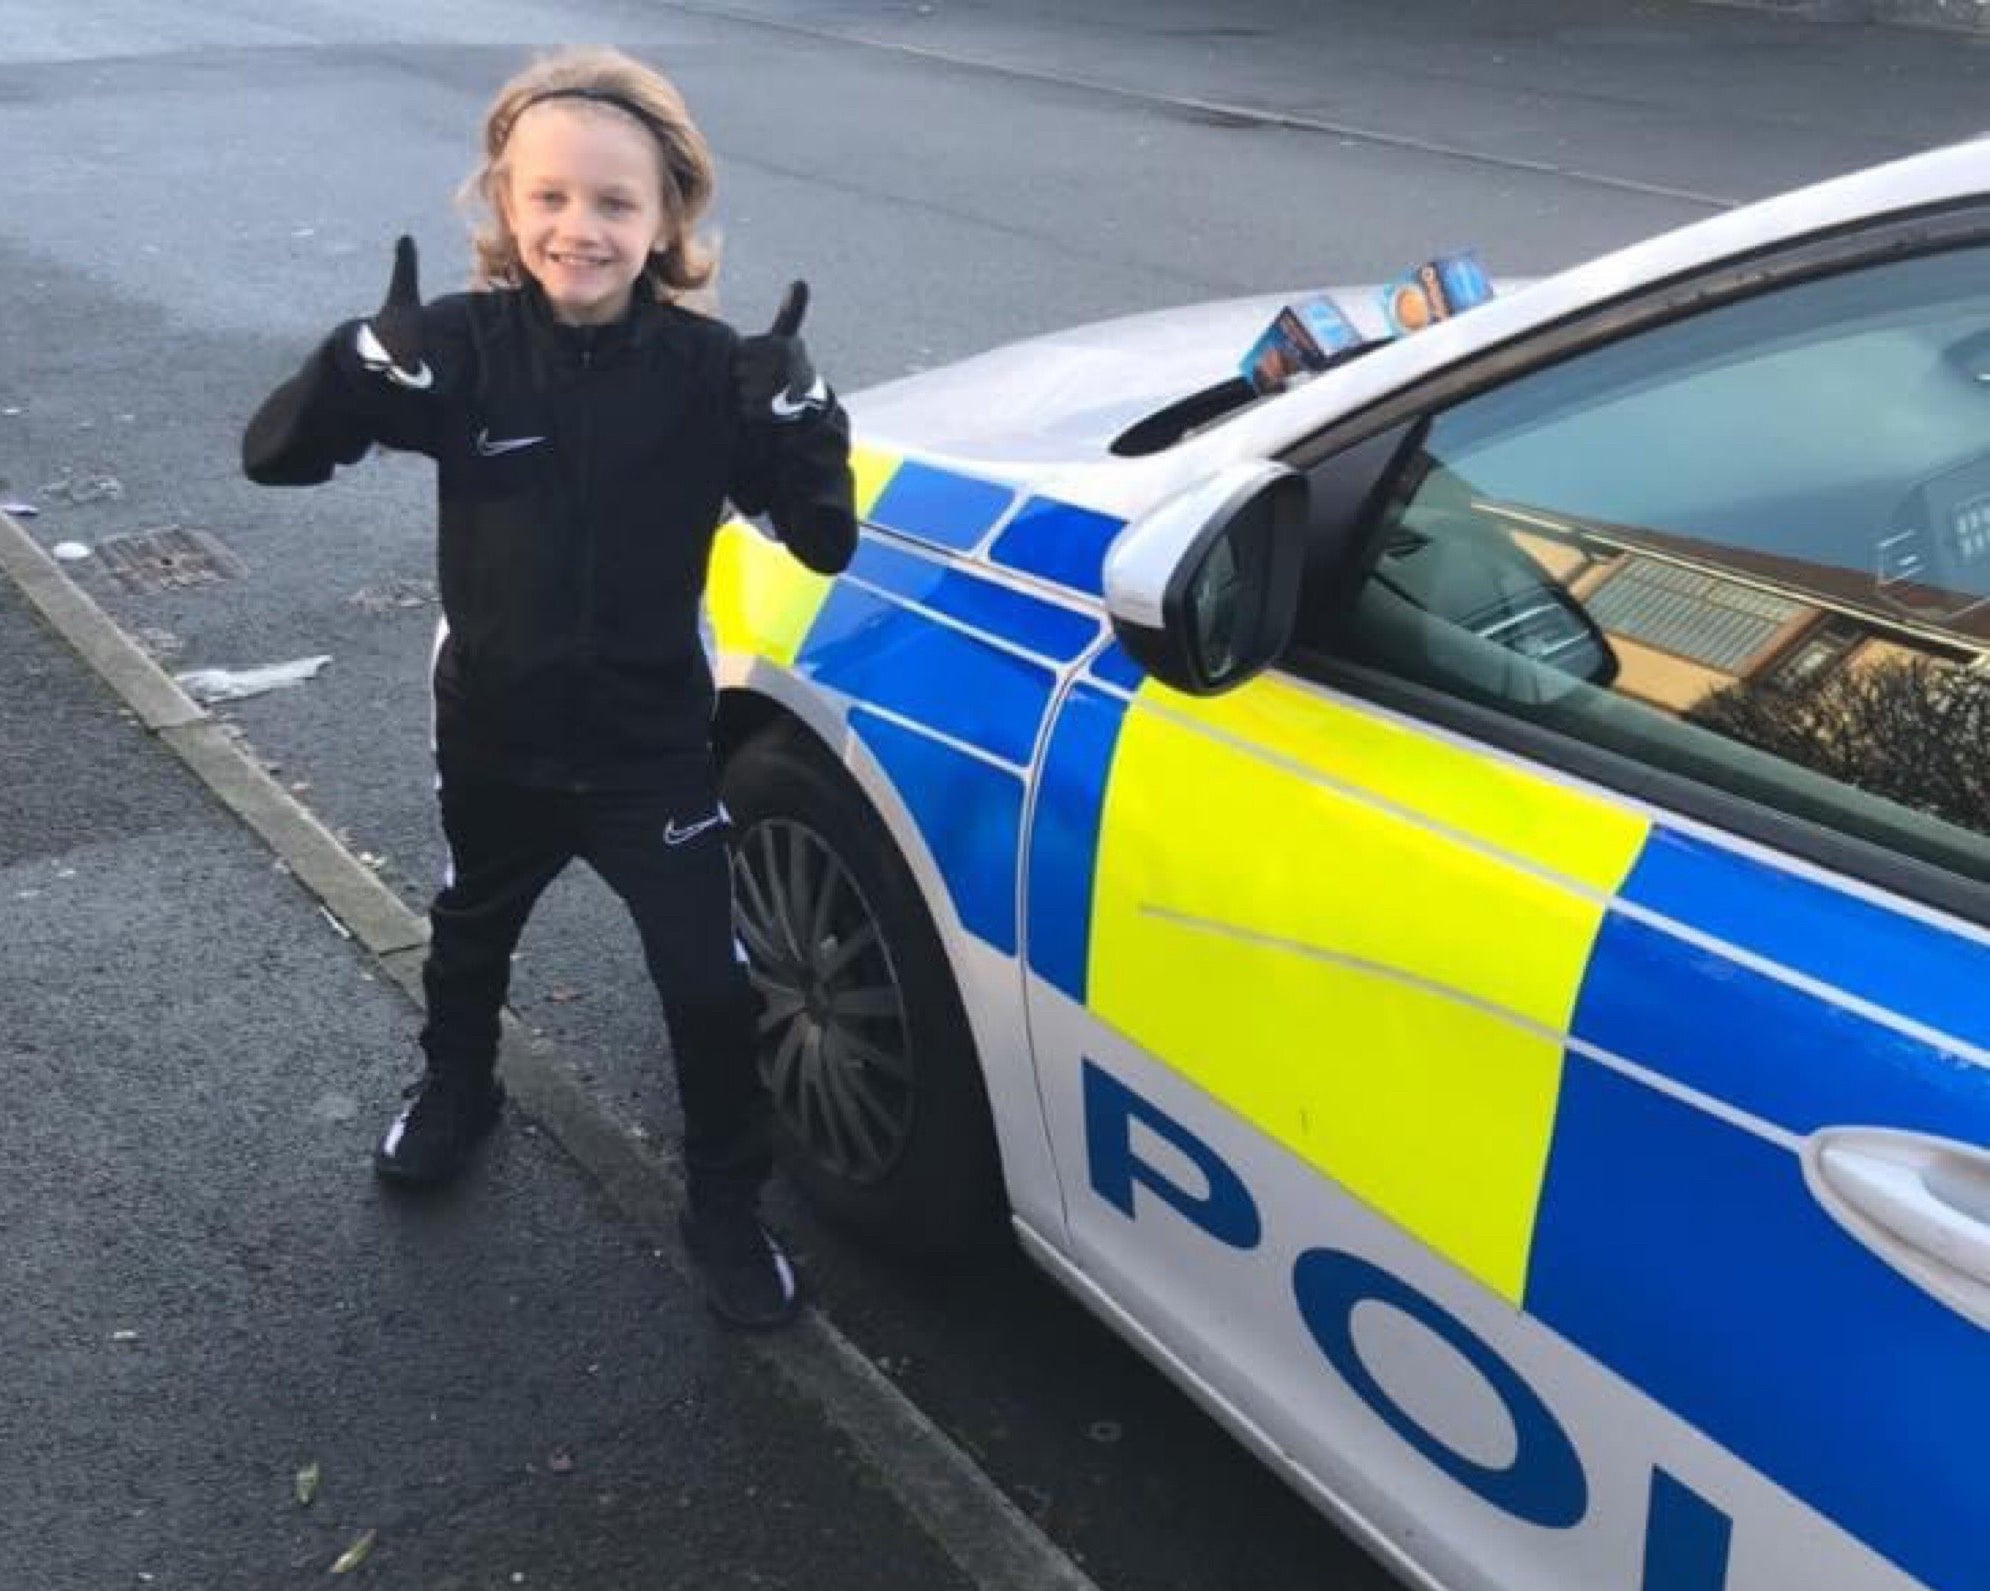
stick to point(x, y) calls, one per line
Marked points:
point(881, 1116)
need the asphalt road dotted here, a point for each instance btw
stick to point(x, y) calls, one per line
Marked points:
point(196, 191)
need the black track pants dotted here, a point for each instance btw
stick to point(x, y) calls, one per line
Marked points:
point(665, 853)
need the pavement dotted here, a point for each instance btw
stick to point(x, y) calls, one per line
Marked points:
point(512, 1383)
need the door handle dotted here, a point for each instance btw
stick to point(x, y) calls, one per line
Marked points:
point(1921, 1204)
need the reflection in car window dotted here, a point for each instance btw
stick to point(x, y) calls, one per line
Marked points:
point(1752, 547)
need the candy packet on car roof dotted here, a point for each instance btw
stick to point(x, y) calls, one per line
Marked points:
point(1436, 290)
point(1303, 337)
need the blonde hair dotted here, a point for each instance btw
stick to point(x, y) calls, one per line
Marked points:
point(687, 263)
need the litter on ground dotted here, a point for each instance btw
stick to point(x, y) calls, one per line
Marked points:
point(233, 685)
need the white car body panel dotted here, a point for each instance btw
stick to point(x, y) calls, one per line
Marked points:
point(1320, 1432)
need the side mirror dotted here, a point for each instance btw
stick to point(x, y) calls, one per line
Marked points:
point(1203, 590)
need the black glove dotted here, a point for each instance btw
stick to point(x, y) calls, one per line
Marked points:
point(390, 344)
point(772, 377)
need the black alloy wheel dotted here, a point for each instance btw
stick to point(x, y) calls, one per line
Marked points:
point(881, 1114)
point(833, 1041)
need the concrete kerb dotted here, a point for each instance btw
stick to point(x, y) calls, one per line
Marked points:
point(991, 1541)
point(371, 912)
point(146, 688)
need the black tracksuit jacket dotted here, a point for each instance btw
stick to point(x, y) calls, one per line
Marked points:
point(581, 473)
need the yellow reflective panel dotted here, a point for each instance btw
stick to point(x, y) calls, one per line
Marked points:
point(1502, 806)
point(872, 470)
point(1279, 916)
point(760, 598)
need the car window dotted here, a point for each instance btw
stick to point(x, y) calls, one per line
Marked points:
point(1751, 547)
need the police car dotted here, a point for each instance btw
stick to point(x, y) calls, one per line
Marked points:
point(1446, 903)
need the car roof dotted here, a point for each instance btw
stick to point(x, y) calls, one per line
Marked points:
point(1954, 173)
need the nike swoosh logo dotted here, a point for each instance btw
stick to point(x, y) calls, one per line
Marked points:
point(673, 835)
point(373, 354)
point(817, 397)
point(491, 447)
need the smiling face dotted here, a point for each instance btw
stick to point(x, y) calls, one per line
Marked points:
point(583, 198)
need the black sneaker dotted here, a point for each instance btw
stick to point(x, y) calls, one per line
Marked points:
point(431, 1139)
point(749, 1281)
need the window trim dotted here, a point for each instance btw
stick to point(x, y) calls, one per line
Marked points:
point(1938, 230)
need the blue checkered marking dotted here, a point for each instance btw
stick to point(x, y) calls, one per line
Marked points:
point(1901, 963)
point(1037, 626)
point(1775, 1050)
point(1060, 542)
point(940, 506)
point(1771, 1046)
point(968, 812)
point(1688, 1256)
point(1064, 836)
point(1116, 668)
point(884, 655)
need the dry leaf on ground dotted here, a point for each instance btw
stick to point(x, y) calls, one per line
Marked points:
point(355, 1555)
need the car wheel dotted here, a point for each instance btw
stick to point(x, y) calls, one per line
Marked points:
point(881, 1117)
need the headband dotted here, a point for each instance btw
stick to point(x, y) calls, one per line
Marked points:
point(600, 96)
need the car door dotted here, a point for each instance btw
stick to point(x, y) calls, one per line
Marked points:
point(1523, 1060)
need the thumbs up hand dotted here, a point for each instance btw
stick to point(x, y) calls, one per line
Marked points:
point(772, 376)
point(390, 344)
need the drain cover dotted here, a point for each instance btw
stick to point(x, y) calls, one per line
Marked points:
point(168, 559)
